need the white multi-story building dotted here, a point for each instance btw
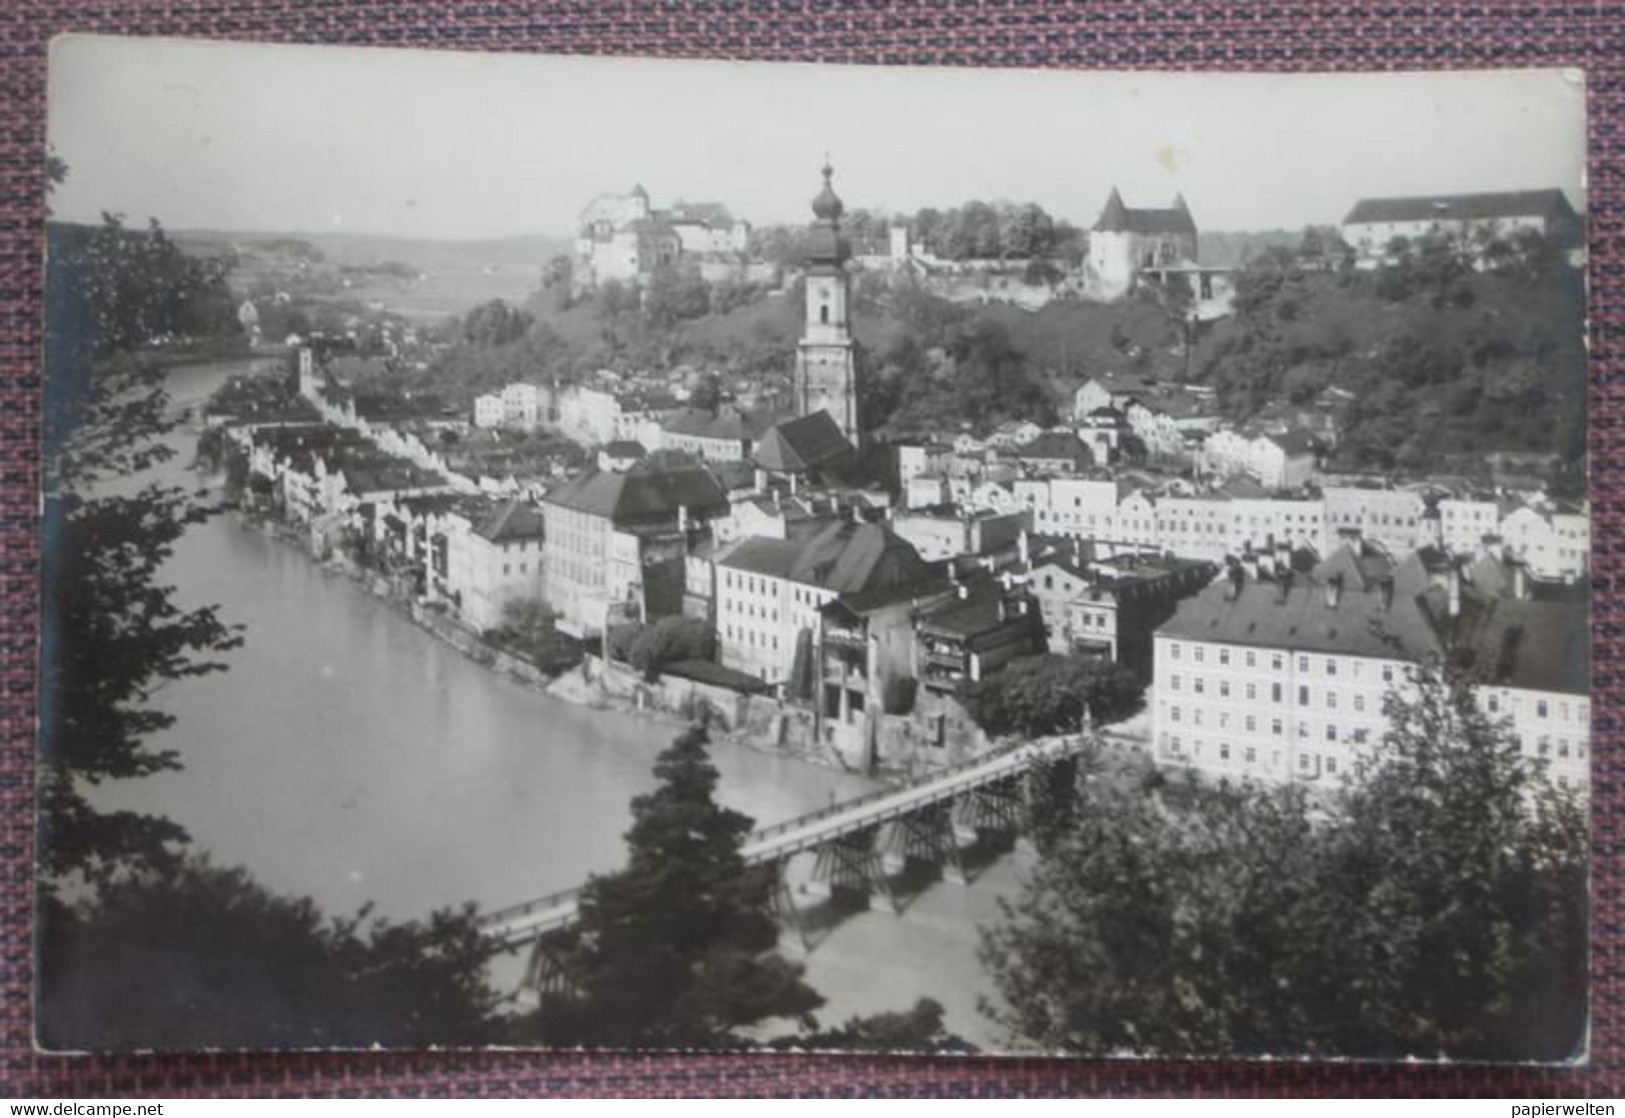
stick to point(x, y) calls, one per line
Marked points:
point(1085, 507)
point(493, 557)
point(1215, 525)
point(1286, 679)
point(768, 591)
point(1554, 540)
point(1467, 524)
point(1374, 223)
point(489, 410)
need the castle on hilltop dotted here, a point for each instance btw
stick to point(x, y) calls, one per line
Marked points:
point(622, 238)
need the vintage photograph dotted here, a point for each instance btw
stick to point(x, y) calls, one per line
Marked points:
point(618, 553)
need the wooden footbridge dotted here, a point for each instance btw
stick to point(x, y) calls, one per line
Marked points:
point(858, 844)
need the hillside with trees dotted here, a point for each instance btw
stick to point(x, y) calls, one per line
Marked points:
point(1451, 351)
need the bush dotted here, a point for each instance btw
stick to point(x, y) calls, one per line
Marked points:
point(897, 697)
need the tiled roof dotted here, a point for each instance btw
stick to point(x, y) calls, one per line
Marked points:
point(1118, 218)
point(1550, 204)
point(641, 494)
point(802, 444)
point(1296, 615)
point(843, 556)
point(514, 519)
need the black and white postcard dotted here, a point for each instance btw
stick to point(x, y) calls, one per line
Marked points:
point(558, 552)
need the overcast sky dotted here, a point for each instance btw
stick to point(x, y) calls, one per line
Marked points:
point(434, 144)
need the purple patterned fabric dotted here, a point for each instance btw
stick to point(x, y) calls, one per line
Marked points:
point(1106, 35)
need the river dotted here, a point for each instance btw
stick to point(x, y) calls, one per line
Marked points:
point(348, 756)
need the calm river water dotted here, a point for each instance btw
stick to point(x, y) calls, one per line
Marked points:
point(348, 756)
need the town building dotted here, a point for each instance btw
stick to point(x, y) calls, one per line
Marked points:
point(972, 633)
point(1374, 223)
point(944, 532)
point(809, 450)
point(493, 556)
point(615, 542)
point(1284, 678)
point(724, 435)
point(1553, 538)
point(769, 591)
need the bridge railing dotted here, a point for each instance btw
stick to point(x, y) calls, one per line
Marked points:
point(757, 838)
point(873, 797)
point(540, 904)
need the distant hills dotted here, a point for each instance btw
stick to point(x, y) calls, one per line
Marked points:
point(528, 251)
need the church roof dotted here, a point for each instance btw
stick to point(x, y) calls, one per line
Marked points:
point(798, 445)
point(1118, 218)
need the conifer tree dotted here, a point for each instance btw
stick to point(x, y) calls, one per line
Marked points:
point(677, 950)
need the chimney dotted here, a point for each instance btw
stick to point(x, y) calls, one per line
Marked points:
point(1284, 581)
point(1334, 591)
point(1283, 556)
point(1453, 589)
point(1249, 565)
point(1237, 577)
point(1385, 591)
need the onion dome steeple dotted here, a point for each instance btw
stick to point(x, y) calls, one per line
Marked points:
point(827, 206)
point(827, 248)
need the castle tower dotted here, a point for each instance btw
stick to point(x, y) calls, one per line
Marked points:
point(826, 375)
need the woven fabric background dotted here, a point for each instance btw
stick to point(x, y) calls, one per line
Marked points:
point(1112, 35)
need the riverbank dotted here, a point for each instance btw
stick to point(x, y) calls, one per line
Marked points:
point(752, 722)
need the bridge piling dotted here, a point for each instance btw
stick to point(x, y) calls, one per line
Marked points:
point(852, 862)
point(926, 835)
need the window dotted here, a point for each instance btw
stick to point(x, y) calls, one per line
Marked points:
point(1331, 732)
point(1173, 714)
point(1173, 651)
point(1331, 764)
point(1199, 684)
point(1224, 656)
point(1275, 692)
point(1224, 688)
point(1251, 754)
point(1387, 673)
point(1252, 691)
point(1331, 699)
point(1199, 651)
point(1275, 727)
point(1173, 683)
point(1276, 662)
point(1331, 666)
point(1252, 659)
point(1303, 762)
point(1303, 696)
point(1303, 663)
point(1224, 751)
point(1540, 709)
point(1252, 724)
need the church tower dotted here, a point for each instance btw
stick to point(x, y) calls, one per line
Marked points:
point(826, 375)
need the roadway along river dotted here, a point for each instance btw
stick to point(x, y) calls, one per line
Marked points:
point(348, 756)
